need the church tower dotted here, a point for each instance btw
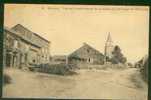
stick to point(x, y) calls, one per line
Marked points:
point(108, 47)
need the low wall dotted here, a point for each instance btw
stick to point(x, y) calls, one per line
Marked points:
point(60, 69)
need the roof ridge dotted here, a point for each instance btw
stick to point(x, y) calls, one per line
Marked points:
point(85, 44)
point(20, 25)
point(93, 48)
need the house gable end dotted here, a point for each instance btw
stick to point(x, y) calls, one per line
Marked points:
point(86, 50)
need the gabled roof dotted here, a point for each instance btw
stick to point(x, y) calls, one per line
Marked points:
point(87, 46)
point(13, 32)
point(20, 27)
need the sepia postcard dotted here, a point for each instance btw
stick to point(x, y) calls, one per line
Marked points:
point(76, 51)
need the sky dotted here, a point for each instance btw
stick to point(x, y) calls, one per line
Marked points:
point(69, 26)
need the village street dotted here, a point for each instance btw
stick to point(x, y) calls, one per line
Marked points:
point(105, 84)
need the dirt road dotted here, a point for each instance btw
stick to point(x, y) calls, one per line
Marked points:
point(105, 84)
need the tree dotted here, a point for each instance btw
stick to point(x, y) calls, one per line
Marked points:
point(118, 56)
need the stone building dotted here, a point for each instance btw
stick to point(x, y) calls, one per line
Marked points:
point(86, 55)
point(24, 48)
point(108, 48)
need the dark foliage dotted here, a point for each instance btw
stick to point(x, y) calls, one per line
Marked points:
point(59, 69)
point(118, 56)
point(144, 70)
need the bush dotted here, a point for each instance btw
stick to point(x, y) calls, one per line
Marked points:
point(114, 60)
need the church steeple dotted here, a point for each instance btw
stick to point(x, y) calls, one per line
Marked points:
point(108, 47)
point(109, 39)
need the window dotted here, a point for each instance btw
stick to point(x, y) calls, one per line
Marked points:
point(15, 43)
point(26, 48)
point(34, 61)
point(90, 60)
point(88, 50)
point(42, 50)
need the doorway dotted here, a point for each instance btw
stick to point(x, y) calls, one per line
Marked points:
point(8, 60)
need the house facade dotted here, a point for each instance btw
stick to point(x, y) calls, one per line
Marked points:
point(86, 55)
point(24, 48)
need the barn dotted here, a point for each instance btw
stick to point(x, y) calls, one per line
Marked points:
point(86, 55)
